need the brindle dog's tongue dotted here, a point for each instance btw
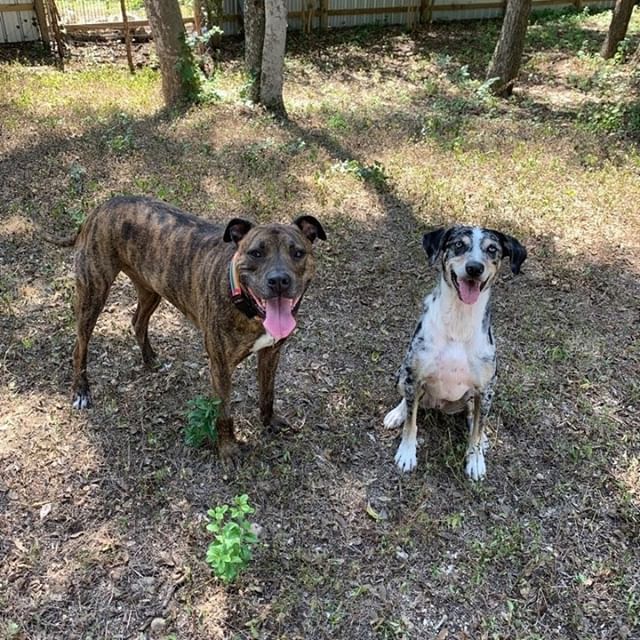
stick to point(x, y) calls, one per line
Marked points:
point(469, 290)
point(279, 320)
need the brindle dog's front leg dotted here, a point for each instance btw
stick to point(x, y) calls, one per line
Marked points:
point(267, 365)
point(228, 447)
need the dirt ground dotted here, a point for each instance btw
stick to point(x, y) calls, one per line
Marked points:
point(102, 529)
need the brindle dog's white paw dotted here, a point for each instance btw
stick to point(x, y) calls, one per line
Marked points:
point(82, 401)
point(476, 468)
point(396, 417)
point(406, 457)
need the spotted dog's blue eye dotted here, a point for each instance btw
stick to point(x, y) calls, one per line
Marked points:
point(458, 245)
point(492, 250)
point(255, 253)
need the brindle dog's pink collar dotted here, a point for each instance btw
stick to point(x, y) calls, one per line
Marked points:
point(243, 302)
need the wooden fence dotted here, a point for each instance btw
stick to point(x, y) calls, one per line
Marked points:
point(28, 20)
point(22, 21)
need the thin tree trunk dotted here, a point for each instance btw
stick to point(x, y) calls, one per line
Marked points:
point(168, 34)
point(618, 28)
point(275, 38)
point(507, 56)
point(253, 45)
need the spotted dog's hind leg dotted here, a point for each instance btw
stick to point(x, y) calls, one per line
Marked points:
point(412, 391)
point(485, 407)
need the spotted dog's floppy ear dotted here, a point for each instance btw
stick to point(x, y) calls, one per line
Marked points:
point(236, 230)
point(512, 249)
point(433, 243)
point(310, 227)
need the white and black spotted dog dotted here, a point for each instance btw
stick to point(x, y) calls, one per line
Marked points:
point(451, 362)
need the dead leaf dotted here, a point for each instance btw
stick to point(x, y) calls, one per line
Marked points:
point(45, 510)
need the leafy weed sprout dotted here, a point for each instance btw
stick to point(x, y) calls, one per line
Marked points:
point(230, 552)
point(374, 174)
point(201, 421)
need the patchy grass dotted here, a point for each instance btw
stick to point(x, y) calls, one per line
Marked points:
point(390, 134)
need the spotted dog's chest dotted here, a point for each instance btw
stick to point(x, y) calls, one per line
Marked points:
point(451, 369)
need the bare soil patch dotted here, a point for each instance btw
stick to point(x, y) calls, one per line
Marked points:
point(102, 532)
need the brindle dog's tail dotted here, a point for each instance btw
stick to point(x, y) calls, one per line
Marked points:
point(67, 241)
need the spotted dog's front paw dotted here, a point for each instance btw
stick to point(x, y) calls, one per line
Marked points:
point(406, 456)
point(82, 400)
point(396, 417)
point(475, 467)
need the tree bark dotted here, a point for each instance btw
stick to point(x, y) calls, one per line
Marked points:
point(253, 45)
point(168, 34)
point(275, 38)
point(618, 28)
point(507, 56)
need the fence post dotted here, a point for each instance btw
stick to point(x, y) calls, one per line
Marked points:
point(41, 15)
point(54, 21)
point(324, 15)
point(127, 35)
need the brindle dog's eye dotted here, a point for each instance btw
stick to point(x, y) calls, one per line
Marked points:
point(298, 254)
point(255, 253)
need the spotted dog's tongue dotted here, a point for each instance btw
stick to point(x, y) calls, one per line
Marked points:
point(279, 320)
point(469, 290)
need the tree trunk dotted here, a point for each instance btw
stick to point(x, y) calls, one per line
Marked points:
point(167, 30)
point(275, 38)
point(507, 56)
point(618, 27)
point(253, 45)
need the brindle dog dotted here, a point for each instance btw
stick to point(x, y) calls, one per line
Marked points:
point(241, 286)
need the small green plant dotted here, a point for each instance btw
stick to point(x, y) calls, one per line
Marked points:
point(230, 552)
point(119, 134)
point(199, 86)
point(201, 421)
point(372, 173)
point(188, 71)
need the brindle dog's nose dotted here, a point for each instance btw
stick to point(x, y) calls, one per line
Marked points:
point(474, 269)
point(279, 282)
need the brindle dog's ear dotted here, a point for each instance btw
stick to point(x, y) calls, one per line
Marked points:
point(433, 243)
point(310, 227)
point(236, 230)
point(512, 249)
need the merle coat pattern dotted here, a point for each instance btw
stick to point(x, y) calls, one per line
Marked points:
point(451, 361)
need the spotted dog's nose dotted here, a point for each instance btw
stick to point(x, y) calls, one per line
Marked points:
point(279, 282)
point(474, 269)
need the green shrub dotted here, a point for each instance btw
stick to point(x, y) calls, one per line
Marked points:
point(201, 421)
point(230, 552)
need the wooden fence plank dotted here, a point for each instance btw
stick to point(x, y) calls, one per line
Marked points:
point(25, 6)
